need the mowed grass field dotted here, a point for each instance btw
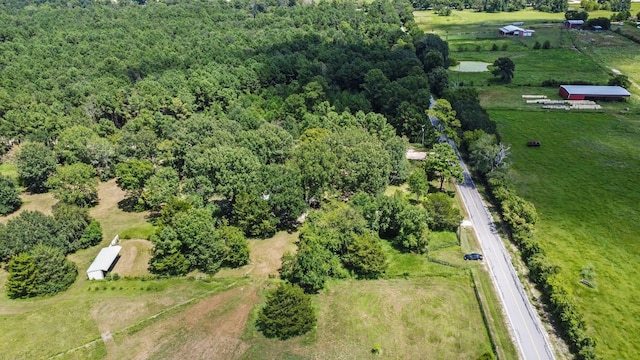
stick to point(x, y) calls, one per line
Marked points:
point(425, 318)
point(583, 181)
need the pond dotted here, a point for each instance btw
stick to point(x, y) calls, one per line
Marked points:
point(470, 66)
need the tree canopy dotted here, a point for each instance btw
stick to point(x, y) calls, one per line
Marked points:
point(9, 196)
point(504, 68)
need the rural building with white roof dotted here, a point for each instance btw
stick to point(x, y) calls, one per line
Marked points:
point(103, 262)
point(512, 30)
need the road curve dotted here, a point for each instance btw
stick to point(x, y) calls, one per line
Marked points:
point(526, 327)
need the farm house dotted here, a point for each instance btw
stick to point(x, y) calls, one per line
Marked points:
point(590, 92)
point(512, 30)
point(103, 262)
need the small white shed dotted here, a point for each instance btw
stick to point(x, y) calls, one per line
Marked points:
point(103, 262)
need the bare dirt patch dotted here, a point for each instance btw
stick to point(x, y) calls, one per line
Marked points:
point(33, 202)
point(134, 257)
point(210, 329)
point(113, 219)
point(265, 256)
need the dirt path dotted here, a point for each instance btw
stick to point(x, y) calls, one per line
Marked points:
point(210, 329)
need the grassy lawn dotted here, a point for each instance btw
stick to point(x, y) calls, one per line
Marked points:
point(408, 313)
point(9, 169)
point(409, 319)
point(583, 182)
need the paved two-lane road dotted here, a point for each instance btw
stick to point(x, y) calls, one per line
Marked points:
point(531, 339)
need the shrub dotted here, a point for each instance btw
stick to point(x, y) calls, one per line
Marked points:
point(546, 45)
point(504, 47)
point(494, 47)
point(287, 313)
point(620, 80)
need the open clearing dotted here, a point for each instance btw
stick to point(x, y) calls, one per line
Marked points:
point(409, 319)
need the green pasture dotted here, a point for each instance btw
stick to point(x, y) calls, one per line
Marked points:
point(471, 20)
point(532, 67)
point(583, 182)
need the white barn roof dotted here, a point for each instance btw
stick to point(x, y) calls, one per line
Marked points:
point(575, 22)
point(510, 28)
point(104, 259)
point(593, 90)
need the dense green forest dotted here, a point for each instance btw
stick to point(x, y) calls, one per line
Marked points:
point(226, 120)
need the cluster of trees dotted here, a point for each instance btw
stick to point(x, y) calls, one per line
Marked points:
point(489, 159)
point(231, 116)
point(35, 246)
point(479, 5)
point(189, 238)
point(554, 6)
point(344, 239)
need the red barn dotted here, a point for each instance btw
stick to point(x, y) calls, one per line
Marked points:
point(573, 24)
point(590, 92)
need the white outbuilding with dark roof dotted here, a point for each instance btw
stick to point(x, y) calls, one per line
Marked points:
point(103, 262)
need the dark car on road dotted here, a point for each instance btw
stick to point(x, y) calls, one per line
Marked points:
point(473, 256)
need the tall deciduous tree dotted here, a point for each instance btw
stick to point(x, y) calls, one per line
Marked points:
point(71, 222)
point(487, 155)
point(75, 184)
point(448, 124)
point(35, 164)
point(504, 68)
point(160, 187)
point(438, 81)
point(418, 183)
point(442, 163)
point(235, 244)
point(230, 170)
point(133, 174)
point(252, 214)
point(443, 215)
point(287, 313)
point(317, 164)
point(310, 267)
